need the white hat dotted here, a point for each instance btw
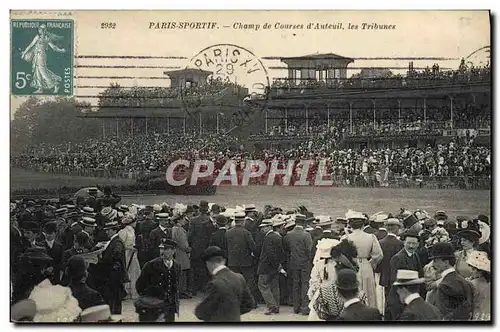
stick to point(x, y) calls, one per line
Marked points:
point(98, 313)
point(354, 215)
point(479, 260)
point(485, 232)
point(408, 277)
point(324, 247)
point(54, 303)
point(156, 208)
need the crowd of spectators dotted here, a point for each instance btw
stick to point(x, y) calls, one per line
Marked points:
point(428, 77)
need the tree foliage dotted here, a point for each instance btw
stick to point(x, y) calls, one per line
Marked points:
point(51, 121)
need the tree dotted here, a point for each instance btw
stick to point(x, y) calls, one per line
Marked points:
point(51, 121)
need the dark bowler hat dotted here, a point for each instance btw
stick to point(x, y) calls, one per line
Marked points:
point(220, 220)
point(441, 215)
point(442, 250)
point(347, 279)
point(76, 266)
point(50, 227)
point(211, 252)
point(30, 226)
point(36, 254)
point(167, 243)
point(410, 234)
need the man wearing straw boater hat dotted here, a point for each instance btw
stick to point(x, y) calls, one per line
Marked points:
point(299, 244)
point(407, 286)
point(112, 269)
point(270, 260)
point(162, 273)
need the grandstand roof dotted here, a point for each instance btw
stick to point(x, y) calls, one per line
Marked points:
point(317, 56)
point(187, 71)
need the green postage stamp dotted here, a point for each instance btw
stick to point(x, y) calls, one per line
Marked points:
point(42, 57)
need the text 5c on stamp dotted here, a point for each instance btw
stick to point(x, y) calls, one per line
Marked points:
point(42, 57)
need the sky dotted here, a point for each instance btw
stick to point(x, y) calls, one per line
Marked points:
point(422, 34)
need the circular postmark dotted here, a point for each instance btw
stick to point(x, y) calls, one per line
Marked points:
point(227, 76)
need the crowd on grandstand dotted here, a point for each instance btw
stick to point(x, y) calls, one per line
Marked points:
point(77, 262)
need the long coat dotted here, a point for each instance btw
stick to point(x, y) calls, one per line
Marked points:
point(240, 247)
point(401, 261)
point(155, 238)
point(390, 245)
point(112, 269)
point(154, 274)
point(272, 254)
point(200, 229)
point(218, 239)
point(419, 310)
point(299, 244)
point(228, 297)
point(143, 229)
point(455, 297)
point(182, 252)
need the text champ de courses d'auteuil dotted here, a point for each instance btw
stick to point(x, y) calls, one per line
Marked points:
point(277, 25)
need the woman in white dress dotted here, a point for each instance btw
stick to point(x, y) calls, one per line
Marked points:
point(369, 256)
point(36, 53)
point(127, 235)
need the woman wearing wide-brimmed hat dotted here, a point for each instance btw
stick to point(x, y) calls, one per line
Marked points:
point(333, 256)
point(127, 235)
point(469, 240)
point(481, 279)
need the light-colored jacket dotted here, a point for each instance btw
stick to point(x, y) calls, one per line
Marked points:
point(182, 255)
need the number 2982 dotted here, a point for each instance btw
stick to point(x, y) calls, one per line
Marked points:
point(108, 25)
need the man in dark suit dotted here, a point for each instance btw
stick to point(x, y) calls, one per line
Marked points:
point(228, 296)
point(143, 229)
point(454, 296)
point(54, 250)
point(407, 287)
point(269, 266)
point(111, 270)
point(76, 272)
point(163, 231)
point(241, 251)
point(354, 310)
point(200, 229)
point(406, 259)
point(298, 243)
point(218, 237)
point(391, 245)
point(162, 274)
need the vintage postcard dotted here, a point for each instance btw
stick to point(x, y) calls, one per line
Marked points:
point(254, 166)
